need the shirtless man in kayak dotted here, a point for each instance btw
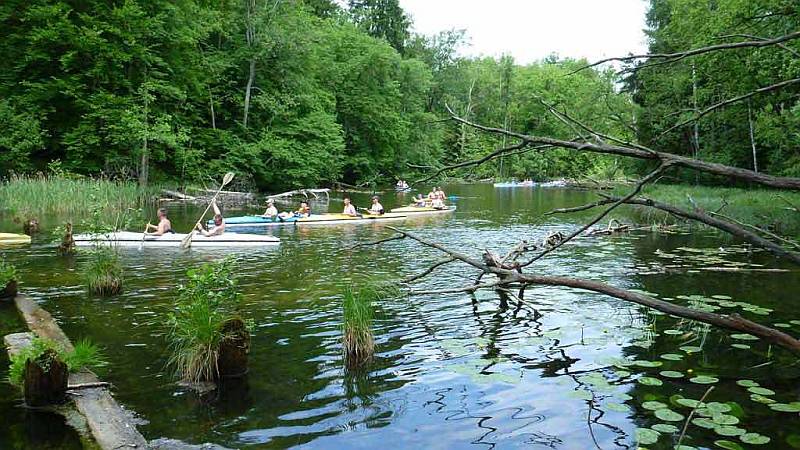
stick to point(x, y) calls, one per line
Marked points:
point(164, 225)
point(349, 209)
point(272, 211)
point(219, 223)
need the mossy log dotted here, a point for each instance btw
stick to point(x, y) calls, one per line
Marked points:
point(45, 380)
point(9, 291)
point(233, 349)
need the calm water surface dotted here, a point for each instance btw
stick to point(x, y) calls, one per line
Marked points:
point(564, 369)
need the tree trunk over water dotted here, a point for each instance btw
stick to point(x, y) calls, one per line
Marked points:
point(45, 383)
point(233, 349)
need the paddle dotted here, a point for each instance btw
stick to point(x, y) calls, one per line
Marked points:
point(144, 234)
point(187, 241)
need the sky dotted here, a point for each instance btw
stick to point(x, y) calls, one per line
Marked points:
point(531, 30)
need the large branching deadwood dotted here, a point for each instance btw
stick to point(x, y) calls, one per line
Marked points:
point(602, 147)
point(698, 215)
point(508, 278)
point(662, 58)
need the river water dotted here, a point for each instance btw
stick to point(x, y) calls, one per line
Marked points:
point(564, 369)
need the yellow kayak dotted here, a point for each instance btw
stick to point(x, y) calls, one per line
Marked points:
point(11, 239)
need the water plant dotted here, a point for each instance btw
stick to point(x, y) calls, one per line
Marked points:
point(103, 274)
point(8, 279)
point(206, 323)
point(357, 340)
point(44, 352)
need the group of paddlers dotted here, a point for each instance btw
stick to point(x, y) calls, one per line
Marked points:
point(305, 210)
point(436, 199)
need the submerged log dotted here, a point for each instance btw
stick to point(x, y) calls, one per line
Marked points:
point(9, 291)
point(233, 349)
point(45, 380)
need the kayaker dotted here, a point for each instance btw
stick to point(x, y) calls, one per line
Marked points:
point(272, 211)
point(432, 195)
point(164, 225)
point(442, 195)
point(303, 211)
point(437, 201)
point(376, 207)
point(219, 223)
point(419, 201)
point(349, 209)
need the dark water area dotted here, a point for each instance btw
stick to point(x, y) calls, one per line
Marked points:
point(564, 369)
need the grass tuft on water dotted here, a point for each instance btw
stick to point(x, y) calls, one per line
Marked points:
point(67, 194)
point(103, 274)
point(358, 312)
point(84, 355)
point(205, 304)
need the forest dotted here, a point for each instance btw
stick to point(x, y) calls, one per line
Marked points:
point(292, 93)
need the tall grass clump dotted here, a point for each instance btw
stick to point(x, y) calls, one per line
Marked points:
point(8, 280)
point(358, 312)
point(45, 351)
point(64, 194)
point(205, 321)
point(103, 273)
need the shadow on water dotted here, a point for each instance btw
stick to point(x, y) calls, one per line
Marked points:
point(548, 367)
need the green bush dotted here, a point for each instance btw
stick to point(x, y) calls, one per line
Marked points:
point(103, 274)
point(8, 273)
point(205, 303)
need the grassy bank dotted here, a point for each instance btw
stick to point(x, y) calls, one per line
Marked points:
point(771, 209)
point(39, 195)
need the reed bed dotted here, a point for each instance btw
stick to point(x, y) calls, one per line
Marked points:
point(37, 195)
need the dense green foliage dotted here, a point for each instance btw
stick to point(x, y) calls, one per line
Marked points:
point(672, 93)
point(208, 300)
point(84, 354)
point(8, 273)
point(287, 93)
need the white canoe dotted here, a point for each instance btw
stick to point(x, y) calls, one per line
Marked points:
point(132, 239)
point(14, 239)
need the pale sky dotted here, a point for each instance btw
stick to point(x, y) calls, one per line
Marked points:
point(530, 30)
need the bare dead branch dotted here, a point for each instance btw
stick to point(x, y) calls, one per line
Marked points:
point(673, 57)
point(728, 102)
point(476, 162)
point(379, 241)
point(428, 270)
point(637, 188)
point(467, 289)
point(759, 38)
point(757, 229)
point(683, 161)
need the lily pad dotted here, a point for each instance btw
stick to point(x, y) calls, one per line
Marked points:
point(671, 374)
point(622, 373)
point(642, 363)
point(740, 346)
point(754, 439)
point(703, 379)
point(669, 415)
point(673, 332)
point(689, 402)
point(721, 297)
point(618, 407)
point(581, 394)
point(653, 406)
point(690, 349)
point(727, 430)
point(729, 445)
point(786, 407)
point(704, 422)
point(650, 381)
point(724, 419)
point(646, 436)
point(744, 337)
point(761, 399)
point(671, 356)
point(747, 383)
point(761, 390)
point(718, 408)
point(665, 428)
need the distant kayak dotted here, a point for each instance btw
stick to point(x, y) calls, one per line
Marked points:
point(417, 210)
point(14, 239)
point(133, 239)
point(514, 184)
point(314, 219)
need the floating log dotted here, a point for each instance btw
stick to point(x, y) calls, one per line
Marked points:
point(9, 291)
point(233, 349)
point(303, 192)
point(45, 380)
point(176, 194)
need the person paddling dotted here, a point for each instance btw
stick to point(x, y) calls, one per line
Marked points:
point(272, 211)
point(376, 208)
point(349, 209)
point(164, 225)
point(219, 223)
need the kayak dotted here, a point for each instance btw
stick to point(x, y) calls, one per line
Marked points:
point(418, 210)
point(514, 184)
point(314, 219)
point(133, 239)
point(13, 239)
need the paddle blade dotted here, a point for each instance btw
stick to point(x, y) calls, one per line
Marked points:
point(227, 179)
point(187, 241)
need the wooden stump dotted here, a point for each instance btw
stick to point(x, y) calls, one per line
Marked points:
point(233, 349)
point(67, 246)
point(45, 380)
point(31, 226)
point(9, 291)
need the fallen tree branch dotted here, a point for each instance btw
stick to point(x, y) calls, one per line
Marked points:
point(511, 277)
point(757, 229)
point(683, 161)
point(427, 271)
point(674, 57)
point(379, 241)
